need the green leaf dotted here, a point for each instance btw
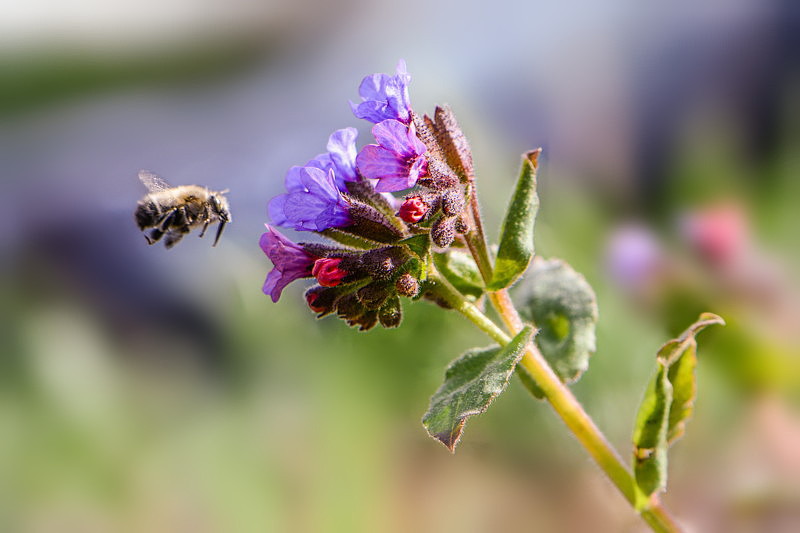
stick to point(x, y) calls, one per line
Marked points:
point(348, 239)
point(516, 236)
point(460, 269)
point(563, 306)
point(667, 406)
point(418, 244)
point(650, 434)
point(684, 391)
point(680, 356)
point(471, 383)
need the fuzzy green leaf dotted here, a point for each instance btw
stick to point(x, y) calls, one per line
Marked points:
point(348, 239)
point(471, 383)
point(516, 236)
point(418, 244)
point(563, 305)
point(667, 405)
point(460, 269)
point(650, 434)
point(680, 356)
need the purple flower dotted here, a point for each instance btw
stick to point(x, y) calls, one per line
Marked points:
point(312, 203)
point(397, 161)
point(340, 157)
point(291, 262)
point(384, 97)
point(633, 256)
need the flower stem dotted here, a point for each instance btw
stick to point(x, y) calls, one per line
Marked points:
point(476, 239)
point(562, 400)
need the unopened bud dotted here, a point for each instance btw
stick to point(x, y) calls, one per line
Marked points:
point(443, 231)
point(355, 314)
point(370, 223)
point(348, 307)
point(413, 209)
point(322, 299)
point(440, 176)
point(366, 321)
point(327, 271)
point(407, 285)
point(391, 314)
point(452, 202)
point(461, 225)
point(373, 295)
point(381, 263)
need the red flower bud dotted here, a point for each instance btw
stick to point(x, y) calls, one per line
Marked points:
point(312, 297)
point(413, 209)
point(327, 271)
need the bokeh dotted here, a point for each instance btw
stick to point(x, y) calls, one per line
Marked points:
point(144, 389)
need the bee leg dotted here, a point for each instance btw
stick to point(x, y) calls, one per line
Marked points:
point(153, 236)
point(174, 236)
point(205, 227)
point(219, 233)
point(166, 221)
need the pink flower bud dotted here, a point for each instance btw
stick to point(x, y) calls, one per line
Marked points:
point(327, 271)
point(413, 209)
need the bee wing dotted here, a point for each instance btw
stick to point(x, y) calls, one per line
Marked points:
point(153, 182)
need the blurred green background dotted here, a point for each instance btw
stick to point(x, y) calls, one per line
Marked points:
point(151, 390)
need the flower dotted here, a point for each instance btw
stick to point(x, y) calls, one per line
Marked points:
point(312, 203)
point(719, 234)
point(291, 262)
point(340, 157)
point(327, 271)
point(384, 96)
point(397, 161)
point(413, 209)
point(634, 257)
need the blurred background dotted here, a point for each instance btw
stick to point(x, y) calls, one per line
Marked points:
point(144, 389)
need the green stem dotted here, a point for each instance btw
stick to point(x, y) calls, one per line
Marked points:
point(562, 400)
point(476, 239)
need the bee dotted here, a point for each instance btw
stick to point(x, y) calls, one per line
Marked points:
point(172, 212)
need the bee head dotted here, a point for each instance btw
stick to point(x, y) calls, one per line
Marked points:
point(220, 206)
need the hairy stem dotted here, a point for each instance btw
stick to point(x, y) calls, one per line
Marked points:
point(561, 398)
point(476, 240)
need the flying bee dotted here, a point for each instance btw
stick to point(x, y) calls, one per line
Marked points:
point(172, 212)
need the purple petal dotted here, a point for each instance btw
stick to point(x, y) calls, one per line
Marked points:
point(399, 183)
point(294, 179)
point(313, 204)
point(320, 183)
point(290, 262)
point(373, 87)
point(373, 111)
point(376, 162)
point(384, 97)
point(274, 284)
point(342, 152)
point(321, 161)
point(394, 136)
point(415, 144)
point(276, 210)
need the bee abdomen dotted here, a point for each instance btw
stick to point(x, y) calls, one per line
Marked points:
point(147, 214)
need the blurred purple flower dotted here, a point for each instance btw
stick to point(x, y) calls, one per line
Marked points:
point(340, 157)
point(634, 256)
point(312, 203)
point(291, 262)
point(397, 161)
point(384, 97)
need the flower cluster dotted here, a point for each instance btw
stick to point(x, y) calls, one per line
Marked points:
point(383, 245)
